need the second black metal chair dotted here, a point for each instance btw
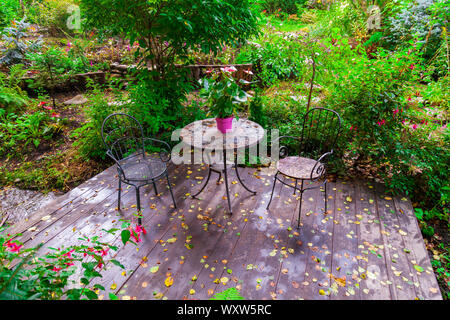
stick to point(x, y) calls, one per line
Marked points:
point(124, 139)
point(321, 128)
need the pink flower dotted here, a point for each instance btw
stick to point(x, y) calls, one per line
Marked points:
point(209, 71)
point(56, 269)
point(229, 69)
point(353, 128)
point(396, 111)
point(414, 126)
point(128, 48)
point(380, 123)
point(55, 115)
point(68, 264)
point(103, 252)
point(69, 254)
point(12, 246)
point(412, 66)
point(248, 72)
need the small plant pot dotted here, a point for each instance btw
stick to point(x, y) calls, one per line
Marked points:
point(225, 125)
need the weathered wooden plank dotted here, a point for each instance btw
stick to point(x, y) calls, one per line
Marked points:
point(157, 221)
point(345, 245)
point(428, 288)
point(218, 269)
point(62, 201)
point(396, 262)
point(293, 265)
point(372, 262)
point(318, 235)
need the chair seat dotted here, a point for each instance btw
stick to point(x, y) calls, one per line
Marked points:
point(298, 168)
point(143, 169)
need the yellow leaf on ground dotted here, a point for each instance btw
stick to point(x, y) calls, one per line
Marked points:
point(168, 282)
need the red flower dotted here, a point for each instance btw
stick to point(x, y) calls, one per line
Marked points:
point(13, 247)
point(55, 115)
point(103, 252)
point(69, 254)
point(56, 269)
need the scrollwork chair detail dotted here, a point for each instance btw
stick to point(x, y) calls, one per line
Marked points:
point(124, 139)
point(321, 128)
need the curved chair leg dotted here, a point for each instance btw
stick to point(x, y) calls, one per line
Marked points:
point(120, 191)
point(204, 185)
point(273, 188)
point(326, 198)
point(295, 189)
point(242, 183)
point(138, 204)
point(220, 177)
point(170, 188)
point(154, 187)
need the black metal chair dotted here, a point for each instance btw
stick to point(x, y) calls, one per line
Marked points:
point(321, 128)
point(124, 138)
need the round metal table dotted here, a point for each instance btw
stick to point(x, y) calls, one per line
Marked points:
point(203, 135)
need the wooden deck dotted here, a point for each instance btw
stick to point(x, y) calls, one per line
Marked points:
point(366, 247)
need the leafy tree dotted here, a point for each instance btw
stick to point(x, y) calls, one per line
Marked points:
point(167, 28)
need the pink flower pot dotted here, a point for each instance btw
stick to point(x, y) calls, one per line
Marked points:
point(224, 124)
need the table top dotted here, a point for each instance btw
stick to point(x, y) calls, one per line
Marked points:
point(203, 134)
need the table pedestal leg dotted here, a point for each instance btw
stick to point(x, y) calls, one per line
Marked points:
point(225, 172)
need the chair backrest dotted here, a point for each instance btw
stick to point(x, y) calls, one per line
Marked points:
point(122, 135)
point(321, 128)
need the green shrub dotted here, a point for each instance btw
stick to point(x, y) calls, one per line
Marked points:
point(17, 132)
point(286, 6)
point(275, 58)
point(9, 11)
point(12, 97)
point(158, 105)
point(53, 15)
point(15, 46)
point(88, 138)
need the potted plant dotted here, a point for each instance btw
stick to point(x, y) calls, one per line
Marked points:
point(222, 93)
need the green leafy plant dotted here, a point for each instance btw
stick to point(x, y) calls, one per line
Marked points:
point(17, 132)
point(222, 93)
point(27, 273)
point(12, 97)
point(16, 47)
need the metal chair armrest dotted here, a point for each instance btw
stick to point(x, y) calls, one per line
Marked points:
point(165, 145)
point(119, 167)
point(319, 167)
